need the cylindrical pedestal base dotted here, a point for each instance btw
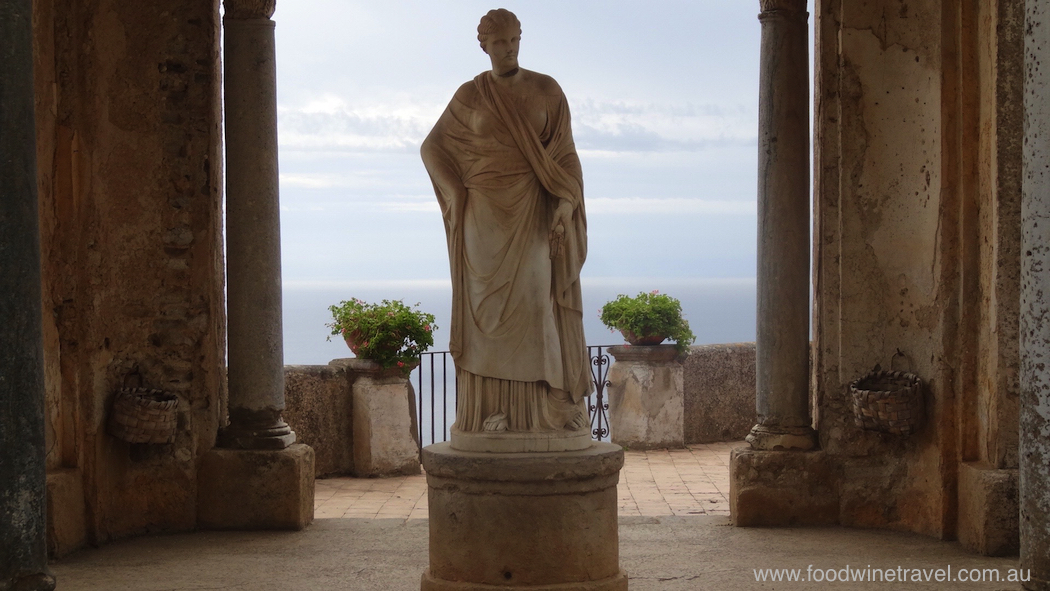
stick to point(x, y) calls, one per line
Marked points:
point(523, 520)
point(614, 583)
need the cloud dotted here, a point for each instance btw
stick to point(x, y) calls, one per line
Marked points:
point(368, 284)
point(400, 122)
point(623, 126)
point(330, 124)
point(669, 205)
point(669, 282)
point(355, 203)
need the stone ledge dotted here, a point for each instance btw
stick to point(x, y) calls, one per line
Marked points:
point(319, 408)
point(371, 369)
point(652, 354)
point(719, 388)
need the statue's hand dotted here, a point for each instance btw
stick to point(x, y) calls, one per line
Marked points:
point(556, 235)
point(562, 217)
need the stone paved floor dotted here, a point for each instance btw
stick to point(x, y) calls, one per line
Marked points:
point(681, 482)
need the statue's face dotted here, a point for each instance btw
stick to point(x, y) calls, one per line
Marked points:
point(502, 47)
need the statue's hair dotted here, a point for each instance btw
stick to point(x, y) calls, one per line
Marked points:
point(496, 20)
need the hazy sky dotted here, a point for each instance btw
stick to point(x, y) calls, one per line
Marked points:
point(664, 104)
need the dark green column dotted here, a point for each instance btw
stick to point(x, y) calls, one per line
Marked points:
point(23, 545)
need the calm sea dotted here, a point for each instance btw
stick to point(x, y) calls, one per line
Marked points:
point(718, 310)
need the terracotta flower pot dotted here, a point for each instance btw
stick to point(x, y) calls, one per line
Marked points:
point(352, 340)
point(644, 341)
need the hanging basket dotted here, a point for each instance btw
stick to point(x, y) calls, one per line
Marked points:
point(888, 401)
point(144, 415)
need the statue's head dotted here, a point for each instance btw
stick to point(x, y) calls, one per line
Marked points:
point(493, 22)
point(499, 33)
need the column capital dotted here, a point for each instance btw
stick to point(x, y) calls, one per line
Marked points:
point(248, 9)
point(791, 6)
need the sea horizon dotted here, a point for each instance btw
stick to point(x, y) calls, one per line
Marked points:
point(718, 309)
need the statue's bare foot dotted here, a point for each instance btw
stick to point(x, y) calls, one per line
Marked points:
point(580, 421)
point(496, 422)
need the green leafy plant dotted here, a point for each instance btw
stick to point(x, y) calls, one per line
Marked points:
point(649, 314)
point(389, 333)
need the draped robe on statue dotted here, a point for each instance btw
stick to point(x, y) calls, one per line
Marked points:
point(500, 160)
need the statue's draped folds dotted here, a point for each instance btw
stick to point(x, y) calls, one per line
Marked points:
point(500, 160)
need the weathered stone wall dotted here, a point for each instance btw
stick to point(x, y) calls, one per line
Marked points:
point(129, 159)
point(886, 265)
point(719, 392)
point(319, 408)
point(916, 234)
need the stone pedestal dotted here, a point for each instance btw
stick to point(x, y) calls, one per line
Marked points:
point(782, 488)
point(523, 521)
point(988, 509)
point(66, 513)
point(646, 397)
point(256, 489)
point(519, 441)
point(385, 438)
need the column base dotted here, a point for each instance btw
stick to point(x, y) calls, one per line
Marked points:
point(276, 437)
point(66, 514)
point(523, 520)
point(782, 488)
point(988, 510)
point(1035, 584)
point(256, 489)
point(769, 438)
point(35, 582)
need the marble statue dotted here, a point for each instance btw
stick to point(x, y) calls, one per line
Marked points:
point(510, 187)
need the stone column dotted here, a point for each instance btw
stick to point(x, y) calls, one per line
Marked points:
point(1034, 472)
point(258, 478)
point(23, 558)
point(782, 362)
point(253, 233)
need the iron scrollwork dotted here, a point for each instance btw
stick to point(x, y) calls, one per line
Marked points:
point(599, 408)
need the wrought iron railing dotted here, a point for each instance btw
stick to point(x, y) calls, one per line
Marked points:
point(598, 404)
point(436, 394)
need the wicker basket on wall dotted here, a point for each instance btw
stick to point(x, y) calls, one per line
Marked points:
point(144, 415)
point(888, 401)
